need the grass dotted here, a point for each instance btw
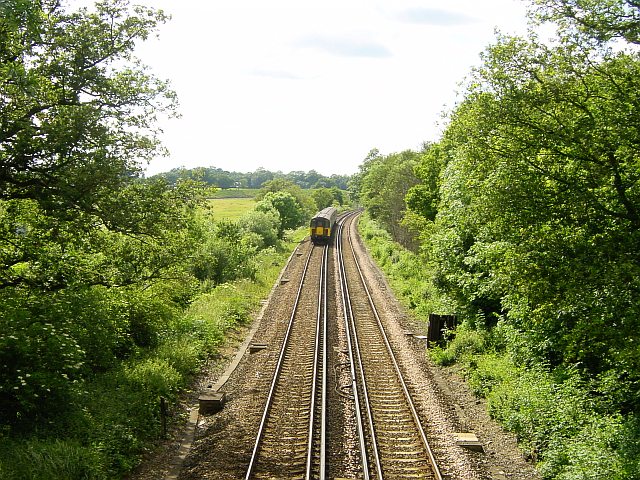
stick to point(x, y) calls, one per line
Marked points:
point(230, 208)
point(235, 193)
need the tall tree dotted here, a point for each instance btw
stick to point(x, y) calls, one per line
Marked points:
point(77, 110)
point(599, 20)
point(539, 201)
point(383, 183)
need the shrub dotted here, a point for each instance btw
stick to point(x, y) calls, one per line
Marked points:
point(539, 410)
point(465, 343)
point(588, 454)
point(153, 375)
point(260, 228)
point(182, 353)
point(489, 371)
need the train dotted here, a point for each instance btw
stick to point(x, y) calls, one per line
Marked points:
point(321, 226)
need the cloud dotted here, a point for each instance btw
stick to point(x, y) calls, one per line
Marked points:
point(345, 47)
point(435, 16)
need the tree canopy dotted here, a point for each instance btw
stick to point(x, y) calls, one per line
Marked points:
point(83, 239)
point(78, 110)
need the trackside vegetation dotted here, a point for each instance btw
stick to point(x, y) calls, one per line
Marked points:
point(523, 220)
point(114, 289)
point(558, 421)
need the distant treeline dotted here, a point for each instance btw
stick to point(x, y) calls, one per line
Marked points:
point(222, 179)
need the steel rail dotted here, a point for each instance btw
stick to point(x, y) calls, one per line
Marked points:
point(320, 352)
point(414, 413)
point(348, 320)
point(276, 375)
point(325, 364)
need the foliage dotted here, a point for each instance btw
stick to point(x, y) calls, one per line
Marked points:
point(77, 110)
point(234, 181)
point(113, 288)
point(282, 185)
point(291, 212)
point(544, 207)
point(220, 255)
point(589, 20)
point(327, 197)
point(261, 228)
point(104, 420)
point(51, 459)
point(527, 214)
point(382, 184)
point(405, 270)
point(555, 417)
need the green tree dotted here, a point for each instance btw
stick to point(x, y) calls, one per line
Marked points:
point(600, 20)
point(78, 112)
point(261, 227)
point(326, 197)
point(538, 216)
point(291, 213)
point(303, 198)
point(423, 198)
point(83, 240)
point(383, 183)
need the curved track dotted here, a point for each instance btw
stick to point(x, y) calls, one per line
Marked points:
point(392, 439)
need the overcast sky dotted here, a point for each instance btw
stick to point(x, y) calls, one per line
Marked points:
point(300, 85)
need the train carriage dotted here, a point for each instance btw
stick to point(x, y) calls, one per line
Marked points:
point(322, 223)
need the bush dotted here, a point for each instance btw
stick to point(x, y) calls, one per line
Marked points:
point(260, 228)
point(538, 409)
point(182, 353)
point(487, 372)
point(465, 343)
point(570, 427)
point(587, 454)
point(104, 409)
point(153, 375)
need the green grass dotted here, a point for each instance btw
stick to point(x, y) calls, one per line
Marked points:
point(235, 193)
point(557, 419)
point(230, 208)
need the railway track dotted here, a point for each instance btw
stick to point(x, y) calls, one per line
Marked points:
point(393, 443)
point(291, 437)
point(295, 438)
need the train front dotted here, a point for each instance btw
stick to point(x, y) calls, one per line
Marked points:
point(320, 229)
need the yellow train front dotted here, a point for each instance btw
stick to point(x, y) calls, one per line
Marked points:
point(322, 225)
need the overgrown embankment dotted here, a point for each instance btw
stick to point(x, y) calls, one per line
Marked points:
point(571, 432)
point(115, 416)
point(101, 328)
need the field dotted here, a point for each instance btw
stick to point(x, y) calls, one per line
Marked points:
point(234, 193)
point(230, 208)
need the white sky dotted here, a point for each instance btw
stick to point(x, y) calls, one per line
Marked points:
point(300, 85)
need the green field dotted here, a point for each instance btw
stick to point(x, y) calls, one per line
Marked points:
point(234, 193)
point(230, 208)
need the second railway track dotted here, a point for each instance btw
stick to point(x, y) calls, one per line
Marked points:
point(290, 441)
point(394, 443)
